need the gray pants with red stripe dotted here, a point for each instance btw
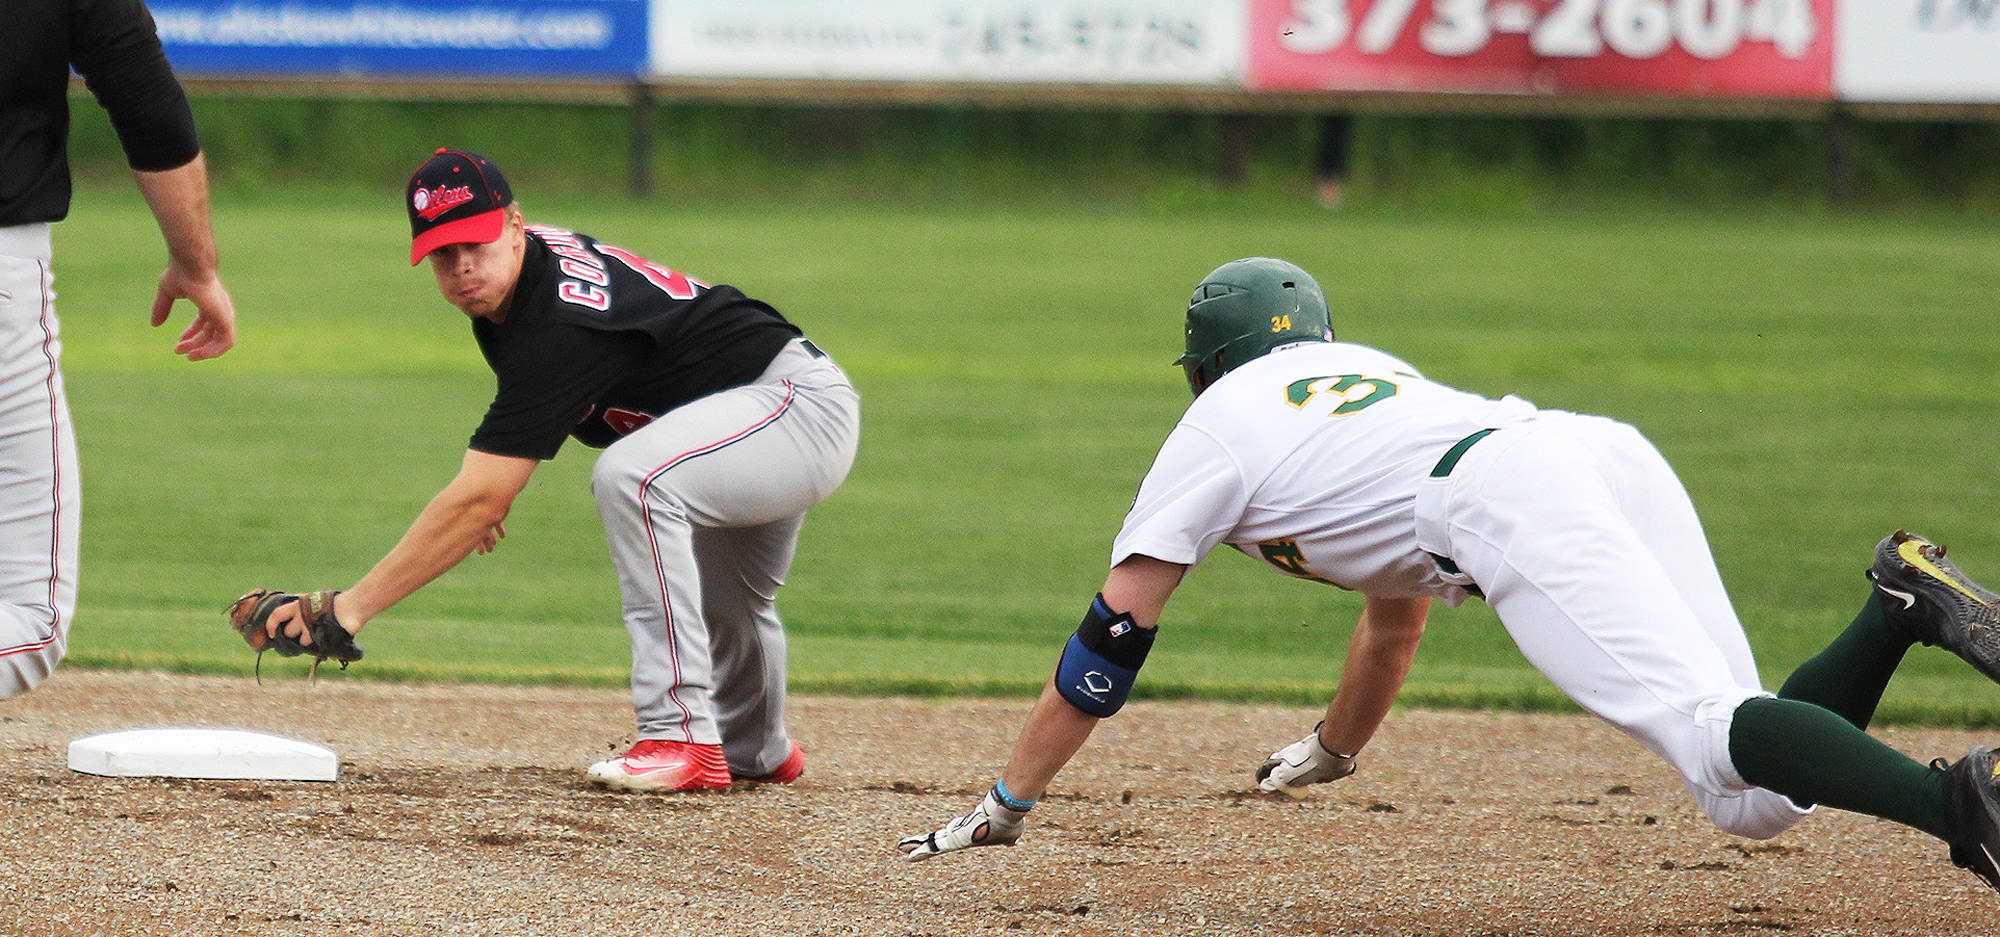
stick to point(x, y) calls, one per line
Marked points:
point(702, 508)
point(39, 500)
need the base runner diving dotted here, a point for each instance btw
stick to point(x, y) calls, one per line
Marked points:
point(1339, 463)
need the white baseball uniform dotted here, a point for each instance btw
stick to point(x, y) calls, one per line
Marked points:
point(1340, 463)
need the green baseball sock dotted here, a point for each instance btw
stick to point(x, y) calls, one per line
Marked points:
point(1848, 677)
point(1815, 756)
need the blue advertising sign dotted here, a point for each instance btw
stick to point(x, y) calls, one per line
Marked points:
point(545, 38)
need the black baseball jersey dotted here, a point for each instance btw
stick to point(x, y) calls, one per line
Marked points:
point(598, 341)
point(114, 46)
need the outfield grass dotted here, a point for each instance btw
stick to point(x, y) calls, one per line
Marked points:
point(1819, 382)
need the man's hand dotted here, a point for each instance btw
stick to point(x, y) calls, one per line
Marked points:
point(214, 328)
point(992, 823)
point(178, 198)
point(491, 540)
point(294, 624)
point(1303, 762)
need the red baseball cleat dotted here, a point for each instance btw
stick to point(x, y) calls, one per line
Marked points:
point(787, 771)
point(661, 765)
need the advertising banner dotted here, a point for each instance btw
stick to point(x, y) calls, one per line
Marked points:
point(297, 38)
point(1919, 51)
point(1700, 48)
point(1081, 41)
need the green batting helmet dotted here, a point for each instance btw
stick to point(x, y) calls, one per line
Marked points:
point(1246, 308)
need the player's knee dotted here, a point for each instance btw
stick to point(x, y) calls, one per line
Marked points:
point(1753, 814)
point(628, 490)
point(1733, 803)
point(20, 673)
point(611, 475)
point(618, 478)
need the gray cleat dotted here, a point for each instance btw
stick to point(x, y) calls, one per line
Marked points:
point(1926, 597)
point(1972, 813)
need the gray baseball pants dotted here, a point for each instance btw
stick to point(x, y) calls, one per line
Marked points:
point(39, 496)
point(702, 508)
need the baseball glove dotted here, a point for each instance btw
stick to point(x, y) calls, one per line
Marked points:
point(329, 640)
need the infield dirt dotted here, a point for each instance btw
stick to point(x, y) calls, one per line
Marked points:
point(462, 810)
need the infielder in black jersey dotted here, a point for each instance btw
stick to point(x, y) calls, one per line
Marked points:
point(720, 424)
point(113, 45)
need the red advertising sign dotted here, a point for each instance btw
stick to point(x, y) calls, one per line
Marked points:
point(1723, 48)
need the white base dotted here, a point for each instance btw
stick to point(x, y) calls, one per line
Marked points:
point(192, 752)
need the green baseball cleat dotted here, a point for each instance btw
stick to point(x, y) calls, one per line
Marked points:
point(1927, 598)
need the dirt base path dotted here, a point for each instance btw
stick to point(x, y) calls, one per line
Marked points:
point(462, 810)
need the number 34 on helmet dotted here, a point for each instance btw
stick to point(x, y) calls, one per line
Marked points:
point(1245, 309)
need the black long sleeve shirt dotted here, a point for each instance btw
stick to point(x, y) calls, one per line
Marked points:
point(113, 44)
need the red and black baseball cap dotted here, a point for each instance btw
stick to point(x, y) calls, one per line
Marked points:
point(456, 197)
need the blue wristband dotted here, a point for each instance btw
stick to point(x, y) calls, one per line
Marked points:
point(1007, 800)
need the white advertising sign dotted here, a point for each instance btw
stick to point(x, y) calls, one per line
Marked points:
point(1918, 51)
point(1082, 41)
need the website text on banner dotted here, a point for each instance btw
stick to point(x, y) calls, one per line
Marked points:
point(1082, 42)
point(301, 38)
point(1919, 51)
point(1722, 48)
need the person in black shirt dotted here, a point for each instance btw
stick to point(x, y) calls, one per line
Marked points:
point(720, 423)
point(113, 45)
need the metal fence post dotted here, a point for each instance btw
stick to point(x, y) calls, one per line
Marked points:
point(642, 138)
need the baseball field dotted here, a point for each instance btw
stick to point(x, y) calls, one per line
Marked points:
point(1818, 382)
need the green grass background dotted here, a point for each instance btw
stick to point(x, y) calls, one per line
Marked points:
point(1819, 381)
point(786, 152)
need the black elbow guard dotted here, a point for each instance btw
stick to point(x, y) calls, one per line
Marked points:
point(1101, 661)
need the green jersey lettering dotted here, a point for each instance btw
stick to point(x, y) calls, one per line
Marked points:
point(1289, 559)
point(1356, 392)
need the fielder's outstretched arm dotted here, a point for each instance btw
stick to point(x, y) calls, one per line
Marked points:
point(466, 516)
point(469, 514)
point(1133, 597)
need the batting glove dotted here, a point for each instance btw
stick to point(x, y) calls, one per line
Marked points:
point(992, 823)
point(1303, 762)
